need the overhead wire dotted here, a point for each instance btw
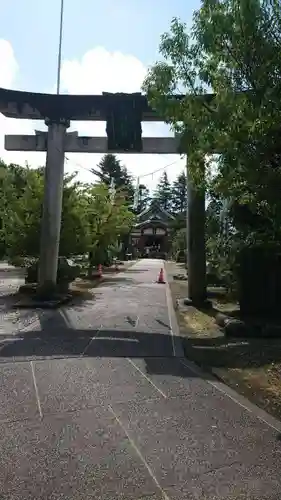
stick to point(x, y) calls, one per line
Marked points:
point(137, 190)
point(158, 169)
point(138, 177)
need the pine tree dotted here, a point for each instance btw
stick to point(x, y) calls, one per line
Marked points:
point(179, 194)
point(163, 192)
point(111, 168)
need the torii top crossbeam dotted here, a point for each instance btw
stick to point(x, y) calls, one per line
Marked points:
point(37, 106)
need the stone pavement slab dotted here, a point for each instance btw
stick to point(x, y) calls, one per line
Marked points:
point(185, 449)
point(30, 348)
point(75, 384)
point(17, 396)
point(83, 455)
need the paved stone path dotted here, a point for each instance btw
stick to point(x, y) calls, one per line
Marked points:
point(96, 402)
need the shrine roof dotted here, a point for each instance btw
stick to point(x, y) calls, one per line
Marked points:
point(151, 222)
point(154, 214)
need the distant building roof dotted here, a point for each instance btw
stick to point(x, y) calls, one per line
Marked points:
point(154, 213)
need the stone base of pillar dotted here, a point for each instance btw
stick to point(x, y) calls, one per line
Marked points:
point(33, 296)
point(47, 290)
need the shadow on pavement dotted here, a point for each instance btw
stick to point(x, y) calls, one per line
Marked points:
point(137, 270)
point(154, 348)
point(57, 339)
point(117, 279)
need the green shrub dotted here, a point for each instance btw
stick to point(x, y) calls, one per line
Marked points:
point(17, 261)
point(67, 271)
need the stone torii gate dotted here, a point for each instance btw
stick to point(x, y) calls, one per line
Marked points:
point(123, 114)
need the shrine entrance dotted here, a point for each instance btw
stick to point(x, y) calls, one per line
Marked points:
point(154, 247)
point(150, 235)
point(123, 114)
point(154, 242)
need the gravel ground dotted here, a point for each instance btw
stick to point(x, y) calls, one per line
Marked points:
point(12, 321)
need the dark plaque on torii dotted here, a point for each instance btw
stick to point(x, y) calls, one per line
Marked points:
point(123, 122)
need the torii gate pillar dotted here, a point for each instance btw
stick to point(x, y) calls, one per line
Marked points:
point(52, 204)
point(196, 249)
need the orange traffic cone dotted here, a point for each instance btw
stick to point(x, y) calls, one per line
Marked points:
point(100, 271)
point(161, 276)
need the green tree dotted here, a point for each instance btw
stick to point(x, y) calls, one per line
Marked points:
point(111, 168)
point(107, 222)
point(179, 245)
point(90, 221)
point(228, 69)
point(223, 243)
point(23, 193)
point(74, 237)
point(179, 194)
point(163, 192)
point(21, 208)
point(5, 186)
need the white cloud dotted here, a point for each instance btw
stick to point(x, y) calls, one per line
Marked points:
point(98, 70)
point(9, 70)
point(9, 64)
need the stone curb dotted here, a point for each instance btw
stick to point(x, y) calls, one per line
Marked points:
point(175, 331)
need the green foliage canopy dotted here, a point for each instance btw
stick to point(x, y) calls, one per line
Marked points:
point(228, 69)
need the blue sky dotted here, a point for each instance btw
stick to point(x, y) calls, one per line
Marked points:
point(127, 33)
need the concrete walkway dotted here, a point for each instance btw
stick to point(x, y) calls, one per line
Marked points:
point(98, 403)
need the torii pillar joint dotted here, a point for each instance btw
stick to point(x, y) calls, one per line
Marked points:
point(196, 251)
point(52, 204)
